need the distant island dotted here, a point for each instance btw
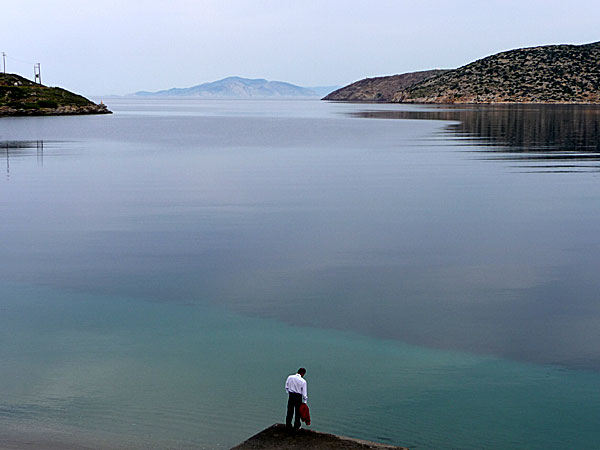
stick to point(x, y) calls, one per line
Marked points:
point(237, 87)
point(22, 97)
point(546, 74)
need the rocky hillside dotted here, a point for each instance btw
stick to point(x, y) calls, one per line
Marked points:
point(380, 89)
point(547, 74)
point(21, 97)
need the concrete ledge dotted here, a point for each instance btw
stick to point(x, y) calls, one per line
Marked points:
point(277, 437)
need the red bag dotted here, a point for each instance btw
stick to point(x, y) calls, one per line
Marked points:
point(304, 413)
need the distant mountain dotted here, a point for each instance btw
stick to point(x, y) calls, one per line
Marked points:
point(546, 74)
point(380, 89)
point(237, 87)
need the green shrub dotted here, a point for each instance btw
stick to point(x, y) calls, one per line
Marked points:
point(47, 104)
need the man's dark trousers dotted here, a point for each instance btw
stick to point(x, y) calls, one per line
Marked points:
point(294, 403)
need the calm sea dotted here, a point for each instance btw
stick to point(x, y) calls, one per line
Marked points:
point(164, 268)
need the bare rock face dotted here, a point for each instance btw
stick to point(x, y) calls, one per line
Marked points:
point(380, 89)
point(276, 437)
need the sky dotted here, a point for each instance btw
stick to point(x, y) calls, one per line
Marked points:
point(105, 47)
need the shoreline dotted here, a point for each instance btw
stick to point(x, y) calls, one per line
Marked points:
point(384, 102)
point(7, 111)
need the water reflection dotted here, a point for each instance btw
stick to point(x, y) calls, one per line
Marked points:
point(546, 138)
point(22, 148)
point(374, 226)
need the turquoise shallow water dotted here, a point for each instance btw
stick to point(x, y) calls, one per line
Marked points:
point(163, 269)
point(123, 373)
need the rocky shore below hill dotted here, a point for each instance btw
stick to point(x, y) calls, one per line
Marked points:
point(67, 110)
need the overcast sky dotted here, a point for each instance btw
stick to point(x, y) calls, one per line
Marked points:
point(122, 46)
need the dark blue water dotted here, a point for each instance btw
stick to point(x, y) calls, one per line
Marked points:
point(164, 268)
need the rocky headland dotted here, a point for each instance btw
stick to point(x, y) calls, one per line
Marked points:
point(568, 74)
point(276, 437)
point(22, 97)
point(380, 89)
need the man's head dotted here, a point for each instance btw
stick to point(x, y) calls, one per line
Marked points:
point(301, 371)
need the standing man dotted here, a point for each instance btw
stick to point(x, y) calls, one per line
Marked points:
point(295, 385)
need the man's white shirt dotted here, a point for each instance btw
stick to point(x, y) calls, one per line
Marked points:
point(295, 384)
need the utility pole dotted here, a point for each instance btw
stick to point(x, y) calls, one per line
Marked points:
point(4, 61)
point(37, 72)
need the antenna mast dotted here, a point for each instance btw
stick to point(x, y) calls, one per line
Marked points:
point(37, 72)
